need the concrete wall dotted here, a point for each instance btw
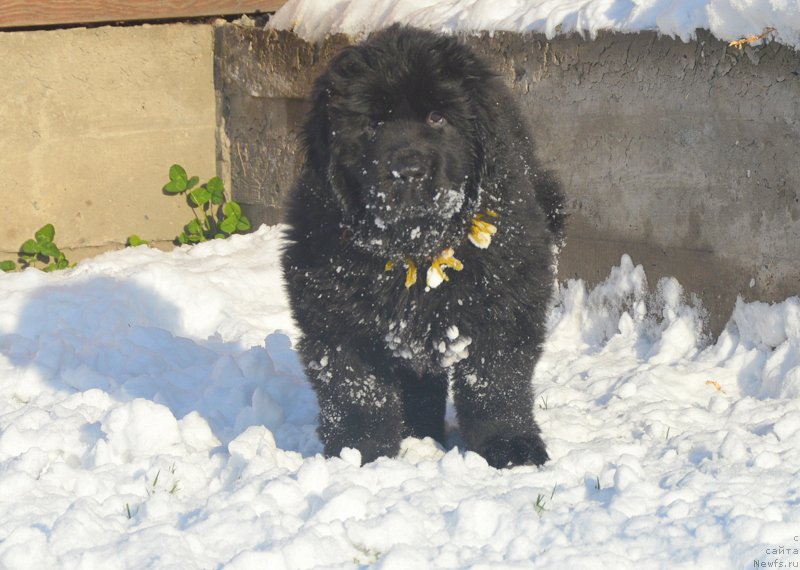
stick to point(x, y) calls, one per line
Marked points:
point(91, 120)
point(684, 155)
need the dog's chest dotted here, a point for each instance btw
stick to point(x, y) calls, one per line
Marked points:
point(425, 339)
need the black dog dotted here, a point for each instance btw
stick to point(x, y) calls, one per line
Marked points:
point(421, 250)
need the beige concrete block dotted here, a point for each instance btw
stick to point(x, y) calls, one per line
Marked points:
point(91, 120)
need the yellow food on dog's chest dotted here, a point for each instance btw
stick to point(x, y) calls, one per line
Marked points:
point(480, 235)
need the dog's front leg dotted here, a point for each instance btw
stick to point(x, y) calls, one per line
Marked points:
point(358, 408)
point(493, 395)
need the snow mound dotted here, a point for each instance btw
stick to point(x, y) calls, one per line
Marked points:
point(727, 19)
point(153, 414)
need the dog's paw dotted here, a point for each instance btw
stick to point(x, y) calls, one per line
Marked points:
point(517, 450)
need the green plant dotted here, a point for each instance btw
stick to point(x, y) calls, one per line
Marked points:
point(43, 249)
point(366, 556)
point(540, 505)
point(134, 240)
point(214, 216)
point(173, 488)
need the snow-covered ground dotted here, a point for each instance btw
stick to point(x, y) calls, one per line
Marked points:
point(154, 415)
point(727, 19)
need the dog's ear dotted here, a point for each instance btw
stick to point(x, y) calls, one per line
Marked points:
point(316, 131)
point(487, 121)
point(481, 85)
point(333, 82)
point(503, 133)
point(349, 62)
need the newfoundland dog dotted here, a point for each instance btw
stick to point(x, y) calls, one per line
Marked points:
point(420, 250)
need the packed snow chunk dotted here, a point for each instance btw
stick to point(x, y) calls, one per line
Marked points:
point(625, 476)
point(790, 387)
point(284, 358)
point(196, 433)
point(255, 454)
point(266, 410)
point(479, 520)
point(732, 448)
point(780, 372)
point(349, 504)
point(314, 476)
point(416, 450)
point(787, 427)
point(26, 547)
point(141, 429)
point(597, 315)
point(253, 442)
point(767, 460)
point(397, 525)
point(454, 348)
point(680, 327)
point(764, 324)
point(351, 455)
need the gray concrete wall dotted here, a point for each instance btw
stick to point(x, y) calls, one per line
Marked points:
point(684, 155)
point(91, 120)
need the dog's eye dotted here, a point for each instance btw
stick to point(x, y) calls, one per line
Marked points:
point(435, 119)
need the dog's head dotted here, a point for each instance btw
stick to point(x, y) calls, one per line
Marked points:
point(398, 130)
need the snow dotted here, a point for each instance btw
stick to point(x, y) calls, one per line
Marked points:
point(153, 414)
point(727, 19)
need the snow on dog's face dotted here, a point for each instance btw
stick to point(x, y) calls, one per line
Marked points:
point(398, 134)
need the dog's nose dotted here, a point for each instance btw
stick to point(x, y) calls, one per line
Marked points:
point(409, 165)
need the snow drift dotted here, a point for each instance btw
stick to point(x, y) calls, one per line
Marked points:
point(153, 414)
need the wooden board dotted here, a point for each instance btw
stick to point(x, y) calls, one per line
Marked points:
point(32, 13)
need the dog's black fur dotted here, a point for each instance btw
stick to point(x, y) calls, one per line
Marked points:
point(410, 135)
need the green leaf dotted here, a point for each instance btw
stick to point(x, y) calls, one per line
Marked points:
point(29, 248)
point(192, 182)
point(217, 196)
point(62, 263)
point(175, 186)
point(234, 220)
point(228, 225)
point(200, 196)
point(215, 184)
point(49, 268)
point(49, 249)
point(45, 234)
point(182, 238)
point(176, 172)
point(134, 240)
point(7, 266)
point(194, 228)
point(219, 236)
point(232, 209)
point(243, 225)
